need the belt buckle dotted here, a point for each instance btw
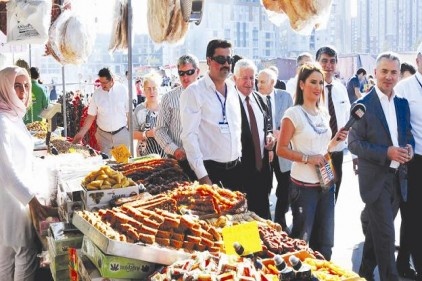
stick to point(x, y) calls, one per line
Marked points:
point(230, 165)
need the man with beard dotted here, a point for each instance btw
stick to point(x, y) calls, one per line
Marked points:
point(211, 121)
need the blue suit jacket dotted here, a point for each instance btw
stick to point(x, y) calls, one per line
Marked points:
point(283, 100)
point(369, 139)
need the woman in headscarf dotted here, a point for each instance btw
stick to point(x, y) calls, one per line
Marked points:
point(21, 208)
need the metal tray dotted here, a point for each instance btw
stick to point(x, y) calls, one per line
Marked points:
point(139, 251)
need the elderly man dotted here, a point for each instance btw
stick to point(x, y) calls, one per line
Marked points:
point(255, 147)
point(211, 121)
point(169, 128)
point(277, 102)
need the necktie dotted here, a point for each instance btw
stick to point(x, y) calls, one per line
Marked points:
point(269, 115)
point(332, 111)
point(255, 135)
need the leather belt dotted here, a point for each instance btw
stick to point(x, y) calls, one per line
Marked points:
point(224, 166)
point(301, 183)
point(113, 132)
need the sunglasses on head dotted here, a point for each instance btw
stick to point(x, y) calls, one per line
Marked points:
point(222, 59)
point(187, 72)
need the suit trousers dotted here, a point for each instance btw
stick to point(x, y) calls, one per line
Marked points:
point(337, 161)
point(378, 248)
point(227, 177)
point(411, 211)
point(107, 141)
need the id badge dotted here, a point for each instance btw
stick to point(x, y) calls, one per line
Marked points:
point(224, 127)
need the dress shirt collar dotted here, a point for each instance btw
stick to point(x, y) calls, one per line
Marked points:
point(418, 76)
point(383, 96)
point(210, 84)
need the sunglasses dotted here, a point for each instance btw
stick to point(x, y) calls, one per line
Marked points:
point(187, 72)
point(222, 59)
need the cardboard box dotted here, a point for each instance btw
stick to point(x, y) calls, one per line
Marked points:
point(104, 196)
point(116, 267)
point(95, 208)
point(72, 188)
point(63, 236)
point(59, 275)
point(88, 272)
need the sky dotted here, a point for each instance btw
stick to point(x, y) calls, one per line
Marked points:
point(105, 16)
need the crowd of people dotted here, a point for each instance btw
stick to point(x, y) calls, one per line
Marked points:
point(236, 127)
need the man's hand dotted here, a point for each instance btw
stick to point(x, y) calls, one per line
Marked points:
point(205, 180)
point(270, 142)
point(40, 212)
point(400, 154)
point(78, 137)
point(270, 156)
point(179, 154)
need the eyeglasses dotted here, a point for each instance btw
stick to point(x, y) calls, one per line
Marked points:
point(222, 59)
point(189, 72)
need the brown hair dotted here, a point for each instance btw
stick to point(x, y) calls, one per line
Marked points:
point(305, 71)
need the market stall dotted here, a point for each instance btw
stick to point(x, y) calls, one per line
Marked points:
point(143, 220)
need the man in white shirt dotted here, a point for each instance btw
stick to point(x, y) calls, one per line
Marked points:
point(109, 108)
point(337, 103)
point(169, 128)
point(411, 89)
point(211, 121)
point(292, 82)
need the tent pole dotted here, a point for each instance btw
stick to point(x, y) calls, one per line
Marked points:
point(64, 110)
point(129, 75)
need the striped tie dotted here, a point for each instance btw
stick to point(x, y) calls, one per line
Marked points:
point(332, 111)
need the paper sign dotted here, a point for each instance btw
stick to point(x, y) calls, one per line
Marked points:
point(121, 153)
point(246, 234)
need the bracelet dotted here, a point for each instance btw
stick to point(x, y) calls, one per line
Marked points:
point(305, 158)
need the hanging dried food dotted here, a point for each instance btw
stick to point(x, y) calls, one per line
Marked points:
point(304, 15)
point(120, 27)
point(71, 38)
point(165, 21)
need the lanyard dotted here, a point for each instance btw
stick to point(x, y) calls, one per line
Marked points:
point(223, 105)
point(418, 81)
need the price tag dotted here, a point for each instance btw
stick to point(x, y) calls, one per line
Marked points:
point(246, 234)
point(121, 153)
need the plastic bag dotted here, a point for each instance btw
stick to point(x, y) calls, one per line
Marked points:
point(28, 21)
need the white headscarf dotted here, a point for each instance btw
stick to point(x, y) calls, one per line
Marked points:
point(9, 100)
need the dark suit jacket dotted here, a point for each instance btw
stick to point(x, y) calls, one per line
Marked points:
point(255, 183)
point(370, 138)
point(248, 152)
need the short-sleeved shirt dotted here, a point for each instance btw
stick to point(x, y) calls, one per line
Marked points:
point(351, 85)
point(307, 141)
point(110, 107)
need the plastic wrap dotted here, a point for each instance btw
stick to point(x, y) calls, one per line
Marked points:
point(304, 16)
point(28, 21)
